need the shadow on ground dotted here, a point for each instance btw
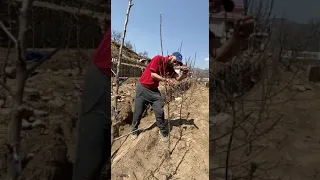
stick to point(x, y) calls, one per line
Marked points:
point(175, 123)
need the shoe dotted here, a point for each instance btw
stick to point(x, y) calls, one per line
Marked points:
point(134, 135)
point(164, 138)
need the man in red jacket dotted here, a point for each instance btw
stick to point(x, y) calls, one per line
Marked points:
point(94, 143)
point(159, 69)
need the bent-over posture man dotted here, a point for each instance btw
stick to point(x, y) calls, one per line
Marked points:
point(147, 91)
point(94, 128)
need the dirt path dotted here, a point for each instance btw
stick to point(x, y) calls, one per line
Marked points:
point(147, 157)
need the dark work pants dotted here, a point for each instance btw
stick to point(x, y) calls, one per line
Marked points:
point(94, 128)
point(144, 97)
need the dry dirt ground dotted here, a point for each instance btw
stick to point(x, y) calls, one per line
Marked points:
point(290, 150)
point(185, 157)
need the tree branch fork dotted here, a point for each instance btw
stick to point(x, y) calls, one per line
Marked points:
point(32, 66)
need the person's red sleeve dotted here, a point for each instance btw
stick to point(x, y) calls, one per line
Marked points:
point(103, 54)
point(155, 64)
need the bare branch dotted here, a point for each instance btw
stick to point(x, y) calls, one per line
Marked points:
point(71, 10)
point(8, 32)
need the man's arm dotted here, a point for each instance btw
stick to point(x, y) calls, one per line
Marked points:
point(228, 50)
point(157, 77)
point(155, 64)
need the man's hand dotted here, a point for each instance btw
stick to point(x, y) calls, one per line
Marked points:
point(244, 27)
point(185, 70)
point(168, 82)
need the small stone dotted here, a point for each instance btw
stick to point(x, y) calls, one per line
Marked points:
point(2, 103)
point(308, 87)
point(40, 113)
point(31, 119)
point(49, 90)
point(30, 90)
point(45, 132)
point(182, 145)
point(46, 98)
point(5, 111)
point(57, 73)
point(57, 103)
point(25, 124)
point(57, 94)
point(37, 123)
point(299, 88)
point(33, 96)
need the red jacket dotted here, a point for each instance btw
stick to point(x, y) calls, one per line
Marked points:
point(157, 65)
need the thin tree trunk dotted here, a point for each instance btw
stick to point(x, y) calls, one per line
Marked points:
point(4, 76)
point(33, 30)
point(14, 128)
point(118, 67)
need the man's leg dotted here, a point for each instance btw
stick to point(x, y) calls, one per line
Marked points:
point(92, 149)
point(139, 107)
point(158, 110)
point(94, 142)
point(158, 105)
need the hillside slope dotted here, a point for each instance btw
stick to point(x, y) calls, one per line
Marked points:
point(147, 157)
